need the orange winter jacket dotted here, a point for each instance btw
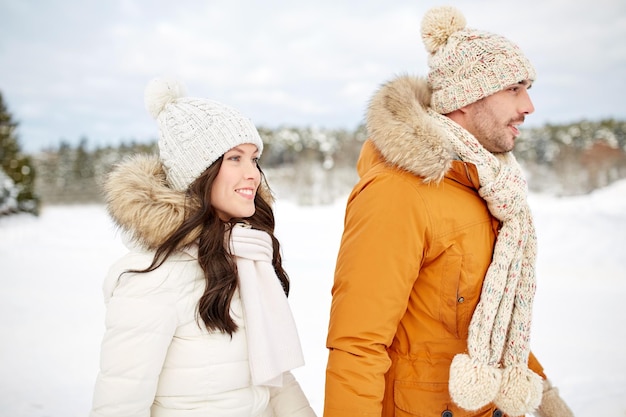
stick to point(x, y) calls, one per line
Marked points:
point(417, 243)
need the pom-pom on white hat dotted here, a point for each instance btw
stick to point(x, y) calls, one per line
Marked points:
point(194, 132)
point(467, 64)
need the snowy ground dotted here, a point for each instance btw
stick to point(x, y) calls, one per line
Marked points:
point(51, 310)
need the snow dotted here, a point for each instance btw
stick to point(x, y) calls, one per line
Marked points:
point(52, 313)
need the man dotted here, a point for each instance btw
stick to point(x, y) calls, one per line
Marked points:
point(435, 276)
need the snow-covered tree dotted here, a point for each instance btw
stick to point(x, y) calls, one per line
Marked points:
point(16, 166)
point(8, 194)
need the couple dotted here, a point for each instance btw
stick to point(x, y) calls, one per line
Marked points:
point(434, 281)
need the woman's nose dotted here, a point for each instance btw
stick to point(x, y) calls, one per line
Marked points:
point(252, 171)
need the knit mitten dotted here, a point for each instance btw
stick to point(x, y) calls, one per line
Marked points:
point(552, 405)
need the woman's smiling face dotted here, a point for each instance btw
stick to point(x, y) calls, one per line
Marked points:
point(236, 183)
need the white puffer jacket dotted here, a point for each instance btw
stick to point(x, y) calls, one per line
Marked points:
point(157, 357)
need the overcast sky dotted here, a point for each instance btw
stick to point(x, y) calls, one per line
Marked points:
point(78, 68)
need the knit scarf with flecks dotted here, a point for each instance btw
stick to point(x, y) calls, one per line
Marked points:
point(494, 369)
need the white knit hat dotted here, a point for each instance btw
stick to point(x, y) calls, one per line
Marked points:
point(194, 132)
point(466, 64)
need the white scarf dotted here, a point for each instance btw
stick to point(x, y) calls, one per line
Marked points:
point(273, 341)
point(495, 368)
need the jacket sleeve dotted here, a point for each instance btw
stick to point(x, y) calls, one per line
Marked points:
point(378, 262)
point(535, 366)
point(288, 400)
point(141, 319)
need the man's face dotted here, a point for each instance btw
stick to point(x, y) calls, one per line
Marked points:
point(494, 120)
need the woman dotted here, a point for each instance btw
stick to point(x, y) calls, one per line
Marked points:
point(189, 328)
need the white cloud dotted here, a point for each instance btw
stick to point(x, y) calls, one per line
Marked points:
point(72, 68)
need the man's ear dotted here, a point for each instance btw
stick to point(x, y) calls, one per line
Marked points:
point(465, 108)
point(459, 115)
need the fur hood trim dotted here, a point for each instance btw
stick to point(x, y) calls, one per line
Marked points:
point(143, 205)
point(406, 135)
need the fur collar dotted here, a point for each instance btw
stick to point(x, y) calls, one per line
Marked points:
point(406, 135)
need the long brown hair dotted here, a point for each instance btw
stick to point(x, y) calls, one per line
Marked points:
point(220, 270)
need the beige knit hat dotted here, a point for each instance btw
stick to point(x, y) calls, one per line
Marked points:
point(194, 132)
point(466, 64)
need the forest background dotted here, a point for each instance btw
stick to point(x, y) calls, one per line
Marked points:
point(307, 165)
